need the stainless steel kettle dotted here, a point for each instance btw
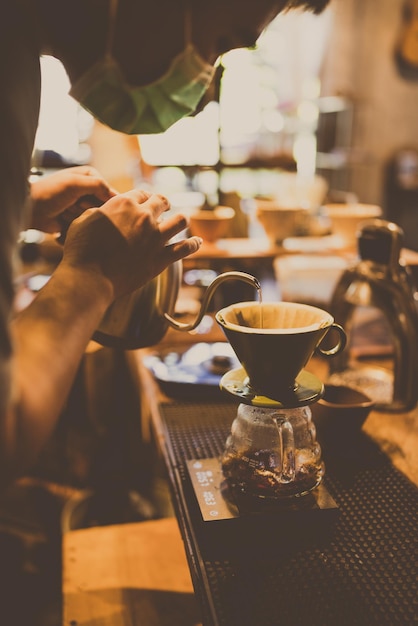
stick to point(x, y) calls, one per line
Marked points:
point(141, 318)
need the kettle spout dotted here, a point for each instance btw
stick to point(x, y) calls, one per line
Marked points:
point(248, 278)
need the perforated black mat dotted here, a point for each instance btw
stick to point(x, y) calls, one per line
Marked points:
point(362, 571)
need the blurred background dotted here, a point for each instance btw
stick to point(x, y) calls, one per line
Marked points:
point(329, 95)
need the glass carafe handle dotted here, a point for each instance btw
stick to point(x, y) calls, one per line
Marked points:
point(286, 446)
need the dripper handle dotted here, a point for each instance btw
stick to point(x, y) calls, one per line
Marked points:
point(286, 447)
point(339, 346)
point(248, 278)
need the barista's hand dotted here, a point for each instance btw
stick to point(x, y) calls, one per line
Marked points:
point(126, 240)
point(57, 199)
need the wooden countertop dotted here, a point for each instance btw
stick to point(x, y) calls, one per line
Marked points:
point(237, 248)
point(127, 574)
point(259, 248)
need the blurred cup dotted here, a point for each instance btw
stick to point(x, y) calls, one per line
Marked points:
point(308, 278)
point(211, 224)
point(346, 219)
point(279, 221)
point(340, 414)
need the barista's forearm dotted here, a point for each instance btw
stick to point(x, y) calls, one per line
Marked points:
point(50, 338)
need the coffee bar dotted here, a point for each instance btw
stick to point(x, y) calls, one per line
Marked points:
point(239, 446)
point(277, 433)
point(293, 482)
point(259, 550)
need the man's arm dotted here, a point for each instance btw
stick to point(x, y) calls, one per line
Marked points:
point(109, 251)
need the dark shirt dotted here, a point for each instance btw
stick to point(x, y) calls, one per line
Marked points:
point(19, 109)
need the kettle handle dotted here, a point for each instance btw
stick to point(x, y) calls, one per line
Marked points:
point(248, 278)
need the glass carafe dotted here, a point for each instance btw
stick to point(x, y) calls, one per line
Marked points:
point(272, 453)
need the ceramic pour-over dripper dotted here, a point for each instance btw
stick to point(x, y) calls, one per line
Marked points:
point(274, 342)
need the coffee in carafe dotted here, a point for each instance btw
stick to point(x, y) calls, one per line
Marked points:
point(272, 454)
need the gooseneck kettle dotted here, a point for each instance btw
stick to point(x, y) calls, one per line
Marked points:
point(141, 318)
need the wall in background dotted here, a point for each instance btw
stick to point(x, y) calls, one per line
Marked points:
point(360, 64)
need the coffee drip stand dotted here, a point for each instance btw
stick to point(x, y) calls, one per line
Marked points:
point(308, 389)
point(272, 459)
point(271, 456)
